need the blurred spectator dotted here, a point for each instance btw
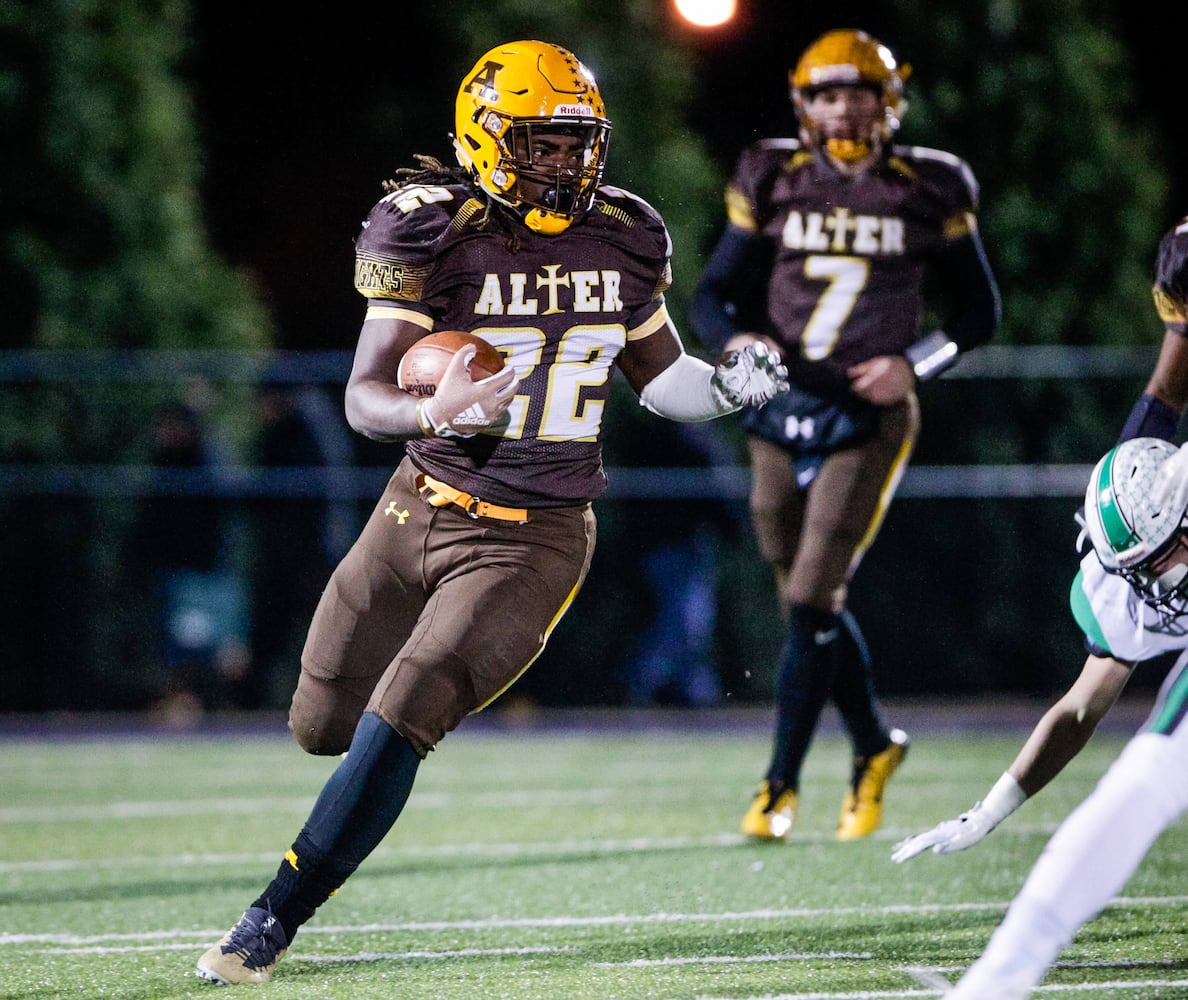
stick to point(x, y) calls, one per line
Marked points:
point(198, 602)
point(674, 661)
point(291, 564)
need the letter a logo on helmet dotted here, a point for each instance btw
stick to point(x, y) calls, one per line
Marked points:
point(483, 82)
point(517, 102)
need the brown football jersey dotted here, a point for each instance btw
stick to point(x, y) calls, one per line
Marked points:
point(1171, 278)
point(559, 308)
point(850, 254)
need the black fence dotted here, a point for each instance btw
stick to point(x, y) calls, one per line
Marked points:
point(132, 581)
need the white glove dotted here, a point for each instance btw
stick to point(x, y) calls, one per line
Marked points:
point(947, 837)
point(749, 377)
point(967, 829)
point(462, 408)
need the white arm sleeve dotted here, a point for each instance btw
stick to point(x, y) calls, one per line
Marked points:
point(683, 392)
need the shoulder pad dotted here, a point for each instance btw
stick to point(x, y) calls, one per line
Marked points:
point(423, 209)
point(403, 235)
point(942, 169)
point(632, 211)
point(758, 168)
point(786, 145)
point(1083, 614)
point(1171, 277)
point(765, 155)
point(628, 202)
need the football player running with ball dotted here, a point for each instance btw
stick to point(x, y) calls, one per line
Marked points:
point(485, 533)
point(829, 242)
point(1130, 598)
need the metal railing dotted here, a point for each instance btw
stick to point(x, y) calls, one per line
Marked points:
point(625, 482)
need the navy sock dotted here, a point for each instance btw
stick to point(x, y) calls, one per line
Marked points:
point(806, 675)
point(853, 691)
point(357, 807)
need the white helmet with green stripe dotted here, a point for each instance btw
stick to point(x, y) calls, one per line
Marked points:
point(1135, 516)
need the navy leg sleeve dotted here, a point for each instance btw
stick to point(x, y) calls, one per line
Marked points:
point(357, 807)
point(854, 694)
point(806, 676)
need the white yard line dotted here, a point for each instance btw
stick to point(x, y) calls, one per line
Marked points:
point(609, 920)
point(1105, 988)
point(217, 806)
point(534, 851)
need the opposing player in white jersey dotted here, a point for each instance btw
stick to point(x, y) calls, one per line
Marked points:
point(1066, 727)
point(1130, 598)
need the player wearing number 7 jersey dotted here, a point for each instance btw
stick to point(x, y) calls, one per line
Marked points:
point(485, 531)
point(829, 242)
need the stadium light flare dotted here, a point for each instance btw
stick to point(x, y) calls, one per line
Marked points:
point(706, 13)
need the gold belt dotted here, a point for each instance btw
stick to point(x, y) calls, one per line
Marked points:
point(438, 494)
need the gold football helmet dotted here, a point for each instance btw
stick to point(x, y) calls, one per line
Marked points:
point(853, 58)
point(531, 128)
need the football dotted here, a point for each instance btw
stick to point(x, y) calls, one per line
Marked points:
point(425, 362)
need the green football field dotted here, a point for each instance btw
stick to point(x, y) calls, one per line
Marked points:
point(564, 863)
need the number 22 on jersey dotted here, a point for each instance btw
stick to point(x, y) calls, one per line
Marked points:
point(583, 361)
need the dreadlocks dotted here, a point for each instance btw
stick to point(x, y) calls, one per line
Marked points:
point(433, 171)
point(430, 171)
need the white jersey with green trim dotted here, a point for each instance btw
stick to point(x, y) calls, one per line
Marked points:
point(1114, 617)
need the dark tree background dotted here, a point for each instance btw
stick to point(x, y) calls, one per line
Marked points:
point(1066, 110)
point(192, 175)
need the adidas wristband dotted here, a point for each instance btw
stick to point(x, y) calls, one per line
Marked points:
point(424, 421)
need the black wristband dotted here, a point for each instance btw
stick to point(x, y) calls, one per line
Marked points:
point(931, 355)
point(1150, 417)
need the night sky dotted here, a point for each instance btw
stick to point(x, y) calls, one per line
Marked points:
point(293, 164)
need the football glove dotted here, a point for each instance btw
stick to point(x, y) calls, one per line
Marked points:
point(462, 408)
point(750, 376)
point(948, 837)
point(970, 827)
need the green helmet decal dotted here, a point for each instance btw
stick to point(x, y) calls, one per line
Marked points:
point(1134, 502)
point(1118, 533)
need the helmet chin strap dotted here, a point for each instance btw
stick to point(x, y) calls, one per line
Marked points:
point(546, 221)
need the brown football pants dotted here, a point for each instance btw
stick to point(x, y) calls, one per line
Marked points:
point(432, 614)
point(816, 538)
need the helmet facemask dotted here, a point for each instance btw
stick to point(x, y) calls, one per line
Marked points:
point(850, 135)
point(849, 58)
point(553, 167)
point(1165, 590)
